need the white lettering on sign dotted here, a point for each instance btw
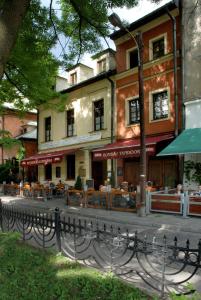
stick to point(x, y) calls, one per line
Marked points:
point(121, 153)
point(41, 161)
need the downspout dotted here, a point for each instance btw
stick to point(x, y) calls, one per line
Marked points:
point(181, 157)
point(3, 128)
point(37, 127)
point(37, 135)
point(182, 68)
point(173, 19)
point(112, 123)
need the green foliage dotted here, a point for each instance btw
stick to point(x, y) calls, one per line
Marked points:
point(192, 171)
point(29, 273)
point(7, 141)
point(78, 183)
point(21, 153)
point(5, 171)
point(32, 68)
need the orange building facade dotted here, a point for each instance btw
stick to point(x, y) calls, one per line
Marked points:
point(159, 99)
point(158, 82)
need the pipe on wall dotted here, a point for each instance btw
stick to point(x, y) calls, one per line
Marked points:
point(112, 121)
point(174, 24)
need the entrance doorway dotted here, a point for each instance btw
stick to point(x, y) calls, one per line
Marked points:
point(99, 173)
point(132, 171)
point(163, 172)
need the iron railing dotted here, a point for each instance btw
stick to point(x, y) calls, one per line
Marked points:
point(163, 265)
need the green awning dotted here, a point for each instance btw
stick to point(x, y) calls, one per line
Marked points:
point(189, 141)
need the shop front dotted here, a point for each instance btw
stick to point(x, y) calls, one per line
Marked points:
point(52, 166)
point(126, 153)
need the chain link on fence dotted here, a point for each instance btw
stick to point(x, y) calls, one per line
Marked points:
point(163, 265)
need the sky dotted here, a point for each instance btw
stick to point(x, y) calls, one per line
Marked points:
point(130, 15)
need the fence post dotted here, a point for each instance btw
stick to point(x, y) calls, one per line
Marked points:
point(183, 205)
point(184, 199)
point(148, 194)
point(58, 228)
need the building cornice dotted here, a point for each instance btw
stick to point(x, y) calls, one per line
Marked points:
point(89, 81)
point(144, 27)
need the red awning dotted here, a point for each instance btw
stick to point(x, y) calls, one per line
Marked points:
point(46, 158)
point(128, 148)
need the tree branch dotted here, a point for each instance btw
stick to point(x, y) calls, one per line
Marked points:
point(54, 27)
point(80, 40)
point(82, 16)
point(13, 83)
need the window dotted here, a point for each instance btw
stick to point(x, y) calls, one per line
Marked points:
point(99, 115)
point(160, 105)
point(158, 47)
point(70, 166)
point(48, 129)
point(133, 58)
point(70, 122)
point(134, 111)
point(58, 172)
point(48, 172)
point(73, 78)
point(101, 65)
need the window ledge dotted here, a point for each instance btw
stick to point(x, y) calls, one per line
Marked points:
point(67, 137)
point(159, 120)
point(132, 125)
point(94, 131)
point(44, 142)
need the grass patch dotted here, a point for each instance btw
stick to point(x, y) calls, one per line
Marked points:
point(27, 273)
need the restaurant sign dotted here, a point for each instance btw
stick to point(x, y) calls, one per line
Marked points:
point(41, 161)
point(122, 153)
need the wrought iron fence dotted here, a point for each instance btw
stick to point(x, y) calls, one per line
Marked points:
point(163, 265)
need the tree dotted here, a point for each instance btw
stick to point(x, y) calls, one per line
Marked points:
point(78, 183)
point(28, 33)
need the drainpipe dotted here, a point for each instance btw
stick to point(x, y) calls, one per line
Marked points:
point(3, 128)
point(37, 135)
point(182, 66)
point(112, 123)
point(173, 19)
point(37, 127)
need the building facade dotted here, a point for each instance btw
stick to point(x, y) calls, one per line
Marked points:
point(66, 139)
point(17, 126)
point(159, 98)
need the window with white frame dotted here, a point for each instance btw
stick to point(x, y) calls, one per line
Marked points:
point(160, 105)
point(47, 129)
point(73, 78)
point(99, 115)
point(70, 122)
point(158, 46)
point(101, 65)
point(134, 111)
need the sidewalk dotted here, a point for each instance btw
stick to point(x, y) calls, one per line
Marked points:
point(153, 225)
point(163, 222)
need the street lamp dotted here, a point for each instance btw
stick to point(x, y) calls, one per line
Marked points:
point(116, 21)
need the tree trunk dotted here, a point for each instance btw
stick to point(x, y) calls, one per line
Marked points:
point(11, 16)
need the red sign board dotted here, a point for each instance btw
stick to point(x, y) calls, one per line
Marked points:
point(122, 153)
point(41, 161)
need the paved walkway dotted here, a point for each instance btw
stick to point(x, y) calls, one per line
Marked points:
point(152, 225)
point(169, 222)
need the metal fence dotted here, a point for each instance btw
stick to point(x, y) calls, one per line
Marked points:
point(163, 265)
point(184, 204)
